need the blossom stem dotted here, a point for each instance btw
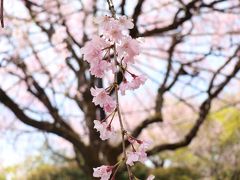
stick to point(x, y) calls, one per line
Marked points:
point(115, 172)
point(114, 112)
point(130, 175)
point(120, 117)
point(109, 116)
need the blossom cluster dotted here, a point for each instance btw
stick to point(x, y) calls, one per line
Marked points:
point(138, 154)
point(114, 51)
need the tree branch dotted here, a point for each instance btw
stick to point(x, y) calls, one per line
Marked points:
point(204, 111)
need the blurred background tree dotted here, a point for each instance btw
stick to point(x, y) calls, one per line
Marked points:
point(190, 54)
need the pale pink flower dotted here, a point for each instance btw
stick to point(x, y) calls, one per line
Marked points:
point(137, 81)
point(93, 49)
point(144, 145)
point(135, 156)
point(99, 67)
point(150, 177)
point(105, 22)
point(128, 59)
point(142, 156)
point(99, 96)
point(128, 47)
point(123, 87)
point(114, 33)
point(109, 105)
point(139, 154)
point(125, 22)
point(104, 172)
point(105, 130)
point(131, 158)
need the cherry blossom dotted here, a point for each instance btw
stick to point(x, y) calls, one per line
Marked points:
point(123, 87)
point(132, 157)
point(109, 106)
point(125, 22)
point(105, 129)
point(144, 145)
point(135, 156)
point(128, 47)
point(93, 49)
point(100, 95)
point(99, 68)
point(101, 98)
point(105, 22)
point(139, 154)
point(97, 52)
point(137, 81)
point(114, 32)
point(104, 172)
point(128, 59)
point(112, 28)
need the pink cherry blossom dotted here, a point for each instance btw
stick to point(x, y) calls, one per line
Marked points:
point(125, 22)
point(129, 47)
point(100, 96)
point(132, 157)
point(99, 42)
point(112, 28)
point(105, 22)
point(123, 87)
point(150, 177)
point(109, 106)
point(144, 145)
point(135, 156)
point(104, 172)
point(134, 84)
point(137, 81)
point(139, 154)
point(142, 156)
point(99, 67)
point(97, 53)
point(114, 33)
point(93, 49)
point(106, 131)
point(128, 59)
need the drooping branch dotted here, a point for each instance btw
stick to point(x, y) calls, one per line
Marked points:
point(54, 128)
point(163, 88)
point(176, 22)
point(5, 99)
